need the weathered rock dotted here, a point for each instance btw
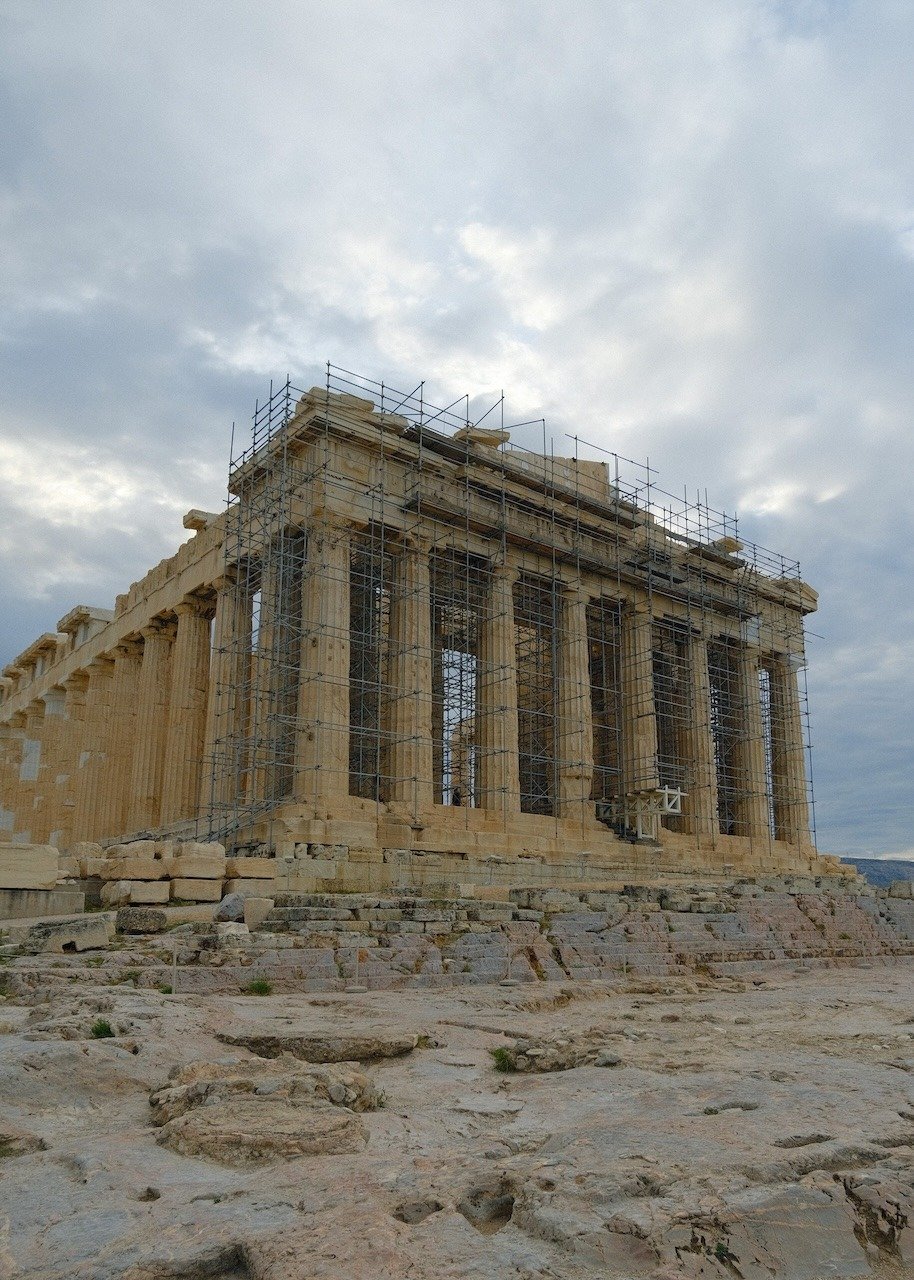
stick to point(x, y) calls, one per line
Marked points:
point(553, 1054)
point(84, 934)
point(140, 920)
point(230, 908)
point(342, 1047)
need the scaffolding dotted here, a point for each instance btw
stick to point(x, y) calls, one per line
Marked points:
point(475, 501)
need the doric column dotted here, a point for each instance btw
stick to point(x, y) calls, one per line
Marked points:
point(92, 772)
point(574, 725)
point(75, 689)
point(226, 711)
point(11, 814)
point(639, 721)
point(151, 727)
point(788, 754)
point(31, 769)
point(496, 729)
point(7, 817)
point(700, 804)
point(50, 789)
point(125, 683)
point(749, 764)
point(186, 713)
point(409, 758)
point(322, 738)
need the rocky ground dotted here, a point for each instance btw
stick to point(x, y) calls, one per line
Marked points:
point(666, 1127)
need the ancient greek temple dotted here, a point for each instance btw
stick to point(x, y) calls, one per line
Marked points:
point(408, 649)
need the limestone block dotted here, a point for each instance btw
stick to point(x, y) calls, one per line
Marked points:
point(86, 849)
point(28, 866)
point(70, 935)
point(135, 849)
point(139, 920)
point(116, 893)
point(93, 867)
point(149, 892)
point(247, 887)
point(897, 889)
point(200, 849)
point(256, 910)
point(195, 867)
point(194, 890)
point(251, 868)
point(136, 868)
point(68, 868)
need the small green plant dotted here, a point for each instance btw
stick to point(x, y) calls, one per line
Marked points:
point(101, 1029)
point(95, 961)
point(165, 988)
point(424, 1041)
point(381, 1100)
point(259, 987)
point(7, 1149)
point(502, 1059)
point(130, 975)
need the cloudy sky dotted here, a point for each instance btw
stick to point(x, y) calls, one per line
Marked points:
point(679, 230)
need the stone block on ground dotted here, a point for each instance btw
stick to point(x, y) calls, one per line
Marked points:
point(140, 920)
point(248, 888)
point(196, 866)
point(250, 868)
point(28, 866)
point(200, 849)
point(194, 890)
point(115, 893)
point(231, 908)
point(87, 934)
point(149, 892)
point(67, 868)
point(256, 910)
point(135, 868)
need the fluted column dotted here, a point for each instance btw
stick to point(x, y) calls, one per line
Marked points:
point(50, 793)
point(788, 754)
point(151, 727)
point(574, 726)
point(639, 719)
point(497, 731)
point(700, 804)
point(186, 713)
point(410, 780)
point(125, 683)
point(11, 813)
point(322, 739)
point(226, 711)
point(75, 688)
point(752, 802)
point(93, 758)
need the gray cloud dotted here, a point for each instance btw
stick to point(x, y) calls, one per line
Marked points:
point(684, 233)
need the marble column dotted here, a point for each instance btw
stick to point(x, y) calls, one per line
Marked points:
point(496, 722)
point(125, 683)
point(151, 727)
point(75, 688)
point(788, 754)
point(752, 814)
point(186, 713)
point(10, 801)
point(574, 725)
point(50, 792)
point(409, 758)
point(639, 721)
point(226, 710)
point(92, 772)
point(30, 775)
point(700, 804)
point(322, 737)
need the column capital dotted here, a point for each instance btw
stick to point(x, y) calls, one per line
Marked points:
point(504, 572)
point(191, 606)
point(129, 647)
point(102, 665)
point(157, 627)
point(77, 682)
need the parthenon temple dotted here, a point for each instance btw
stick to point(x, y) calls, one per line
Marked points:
point(410, 651)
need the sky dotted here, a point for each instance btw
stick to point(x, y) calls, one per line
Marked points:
point(680, 231)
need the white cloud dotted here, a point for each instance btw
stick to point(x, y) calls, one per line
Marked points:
point(683, 232)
